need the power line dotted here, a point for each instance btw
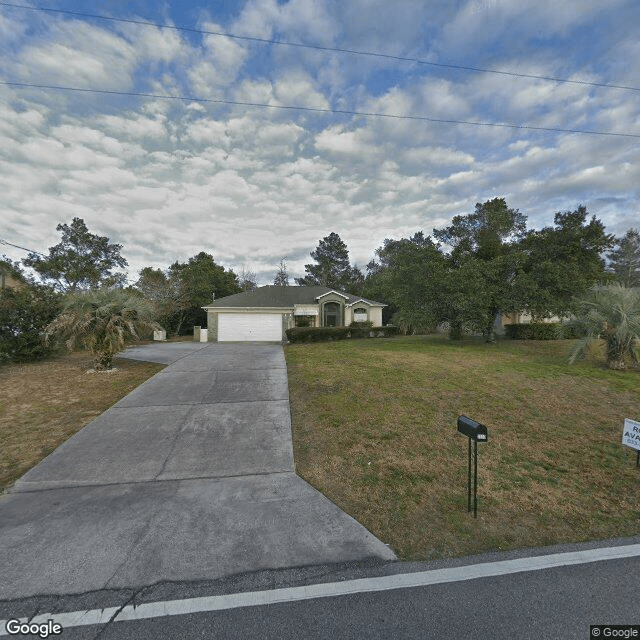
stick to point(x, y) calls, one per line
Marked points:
point(372, 54)
point(318, 109)
point(17, 246)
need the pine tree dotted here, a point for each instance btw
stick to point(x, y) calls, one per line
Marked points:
point(331, 268)
point(282, 277)
point(625, 259)
point(82, 260)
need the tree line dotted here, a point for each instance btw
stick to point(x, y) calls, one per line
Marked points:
point(482, 264)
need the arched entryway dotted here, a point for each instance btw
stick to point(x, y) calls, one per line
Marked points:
point(331, 314)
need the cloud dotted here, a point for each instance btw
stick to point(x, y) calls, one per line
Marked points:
point(336, 141)
point(75, 53)
point(168, 179)
point(500, 25)
point(134, 126)
point(216, 64)
point(298, 89)
point(296, 20)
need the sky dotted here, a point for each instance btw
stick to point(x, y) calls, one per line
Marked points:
point(170, 177)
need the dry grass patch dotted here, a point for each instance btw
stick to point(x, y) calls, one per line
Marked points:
point(375, 430)
point(45, 403)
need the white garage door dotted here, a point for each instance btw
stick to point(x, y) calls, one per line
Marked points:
point(249, 326)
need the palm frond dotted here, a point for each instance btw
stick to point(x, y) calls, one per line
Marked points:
point(102, 321)
point(611, 312)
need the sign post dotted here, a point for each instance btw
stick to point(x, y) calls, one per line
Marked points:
point(631, 437)
point(478, 433)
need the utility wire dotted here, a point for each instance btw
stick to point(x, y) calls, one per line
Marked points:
point(355, 52)
point(317, 109)
point(17, 246)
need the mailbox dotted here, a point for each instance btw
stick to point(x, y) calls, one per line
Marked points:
point(472, 429)
point(476, 432)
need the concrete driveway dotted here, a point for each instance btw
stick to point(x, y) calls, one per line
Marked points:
point(189, 477)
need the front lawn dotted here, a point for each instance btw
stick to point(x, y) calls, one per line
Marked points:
point(374, 425)
point(45, 403)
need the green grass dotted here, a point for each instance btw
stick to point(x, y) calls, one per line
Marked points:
point(374, 426)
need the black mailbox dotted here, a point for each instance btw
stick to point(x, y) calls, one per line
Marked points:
point(472, 429)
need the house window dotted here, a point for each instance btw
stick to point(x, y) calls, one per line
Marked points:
point(332, 314)
point(360, 315)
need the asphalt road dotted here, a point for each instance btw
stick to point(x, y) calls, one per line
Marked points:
point(173, 544)
point(559, 602)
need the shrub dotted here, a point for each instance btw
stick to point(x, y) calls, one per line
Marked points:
point(610, 312)
point(24, 314)
point(364, 324)
point(541, 331)
point(324, 334)
point(102, 321)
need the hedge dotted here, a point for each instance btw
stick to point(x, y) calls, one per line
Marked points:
point(540, 331)
point(323, 334)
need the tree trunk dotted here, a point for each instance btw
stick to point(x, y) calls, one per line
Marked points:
point(180, 321)
point(489, 333)
point(104, 361)
point(455, 330)
point(615, 352)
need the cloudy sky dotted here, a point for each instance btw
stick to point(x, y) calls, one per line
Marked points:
point(168, 178)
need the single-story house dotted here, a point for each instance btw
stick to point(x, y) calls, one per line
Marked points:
point(9, 277)
point(521, 317)
point(265, 313)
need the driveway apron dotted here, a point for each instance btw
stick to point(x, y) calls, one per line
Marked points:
point(189, 477)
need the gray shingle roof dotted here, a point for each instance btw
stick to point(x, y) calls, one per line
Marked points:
point(276, 296)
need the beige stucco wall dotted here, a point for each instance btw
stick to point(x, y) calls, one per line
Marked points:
point(375, 315)
point(523, 317)
point(348, 316)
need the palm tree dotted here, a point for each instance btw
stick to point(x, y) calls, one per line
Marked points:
point(102, 321)
point(610, 312)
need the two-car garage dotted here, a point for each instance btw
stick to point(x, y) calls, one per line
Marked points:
point(248, 327)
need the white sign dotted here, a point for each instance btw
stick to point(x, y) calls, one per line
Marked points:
point(631, 434)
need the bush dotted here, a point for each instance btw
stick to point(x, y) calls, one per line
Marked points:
point(24, 314)
point(324, 334)
point(364, 324)
point(102, 321)
point(541, 331)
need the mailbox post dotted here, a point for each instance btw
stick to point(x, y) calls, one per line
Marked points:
point(476, 432)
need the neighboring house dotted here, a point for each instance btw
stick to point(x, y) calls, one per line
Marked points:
point(265, 313)
point(9, 277)
point(521, 317)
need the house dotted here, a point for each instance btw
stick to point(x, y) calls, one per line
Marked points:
point(10, 277)
point(265, 313)
point(521, 317)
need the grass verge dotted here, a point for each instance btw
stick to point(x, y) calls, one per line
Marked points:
point(374, 425)
point(45, 403)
